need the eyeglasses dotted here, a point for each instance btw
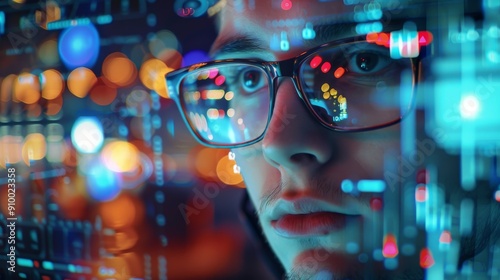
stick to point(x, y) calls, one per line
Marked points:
point(347, 85)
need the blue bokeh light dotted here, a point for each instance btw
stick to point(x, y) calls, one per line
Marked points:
point(79, 46)
point(194, 57)
point(102, 183)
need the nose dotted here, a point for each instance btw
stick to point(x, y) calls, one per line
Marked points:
point(295, 141)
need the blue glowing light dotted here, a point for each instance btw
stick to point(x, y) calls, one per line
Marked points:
point(102, 183)
point(79, 46)
point(87, 135)
point(194, 57)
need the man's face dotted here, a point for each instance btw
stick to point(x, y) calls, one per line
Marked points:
point(298, 174)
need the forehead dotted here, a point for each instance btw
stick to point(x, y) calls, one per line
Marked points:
point(286, 27)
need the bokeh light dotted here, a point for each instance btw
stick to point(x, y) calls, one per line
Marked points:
point(228, 171)
point(161, 42)
point(102, 94)
point(79, 46)
point(87, 135)
point(119, 70)
point(102, 183)
point(27, 88)
point(194, 57)
point(204, 160)
point(120, 156)
point(52, 84)
point(122, 212)
point(69, 194)
point(34, 148)
point(80, 81)
point(48, 54)
point(54, 106)
point(6, 88)
point(138, 102)
point(152, 75)
point(10, 149)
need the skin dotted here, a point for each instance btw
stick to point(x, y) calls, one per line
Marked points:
point(300, 159)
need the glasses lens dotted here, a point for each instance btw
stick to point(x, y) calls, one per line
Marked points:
point(357, 85)
point(228, 104)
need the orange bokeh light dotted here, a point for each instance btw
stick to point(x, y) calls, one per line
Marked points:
point(10, 149)
point(6, 88)
point(119, 70)
point(102, 94)
point(27, 88)
point(120, 156)
point(52, 84)
point(54, 106)
point(228, 171)
point(34, 148)
point(122, 212)
point(80, 81)
point(152, 75)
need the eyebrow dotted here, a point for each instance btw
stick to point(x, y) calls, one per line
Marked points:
point(238, 44)
point(325, 32)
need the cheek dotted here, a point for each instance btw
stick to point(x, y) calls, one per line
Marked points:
point(257, 173)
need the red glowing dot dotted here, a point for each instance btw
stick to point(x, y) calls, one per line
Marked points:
point(326, 67)
point(372, 37)
point(383, 39)
point(426, 259)
point(421, 194)
point(221, 113)
point(339, 72)
point(422, 176)
point(424, 38)
point(220, 80)
point(445, 237)
point(36, 264)
point(286, 5)
point(315, 62)
point(390, 249)
point(497, 195)
point(376, 204)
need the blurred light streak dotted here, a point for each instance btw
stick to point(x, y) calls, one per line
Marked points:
point(87, 135)
point(390, 247)
point(426, 258)
point(466, 216)
point(371, 186)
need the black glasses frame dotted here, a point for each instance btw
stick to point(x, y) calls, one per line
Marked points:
point(274, 70)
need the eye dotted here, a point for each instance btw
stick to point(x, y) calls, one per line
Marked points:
point(368, 62)
point(252, 80)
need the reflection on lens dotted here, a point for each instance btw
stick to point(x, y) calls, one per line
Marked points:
point(227, 104)
point(342, 84)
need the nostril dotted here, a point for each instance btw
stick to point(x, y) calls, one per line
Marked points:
point(303, 158)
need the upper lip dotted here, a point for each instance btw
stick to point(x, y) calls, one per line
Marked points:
point(307, 205)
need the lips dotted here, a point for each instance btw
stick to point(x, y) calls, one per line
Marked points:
point(318, 223)
point(307, 217)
